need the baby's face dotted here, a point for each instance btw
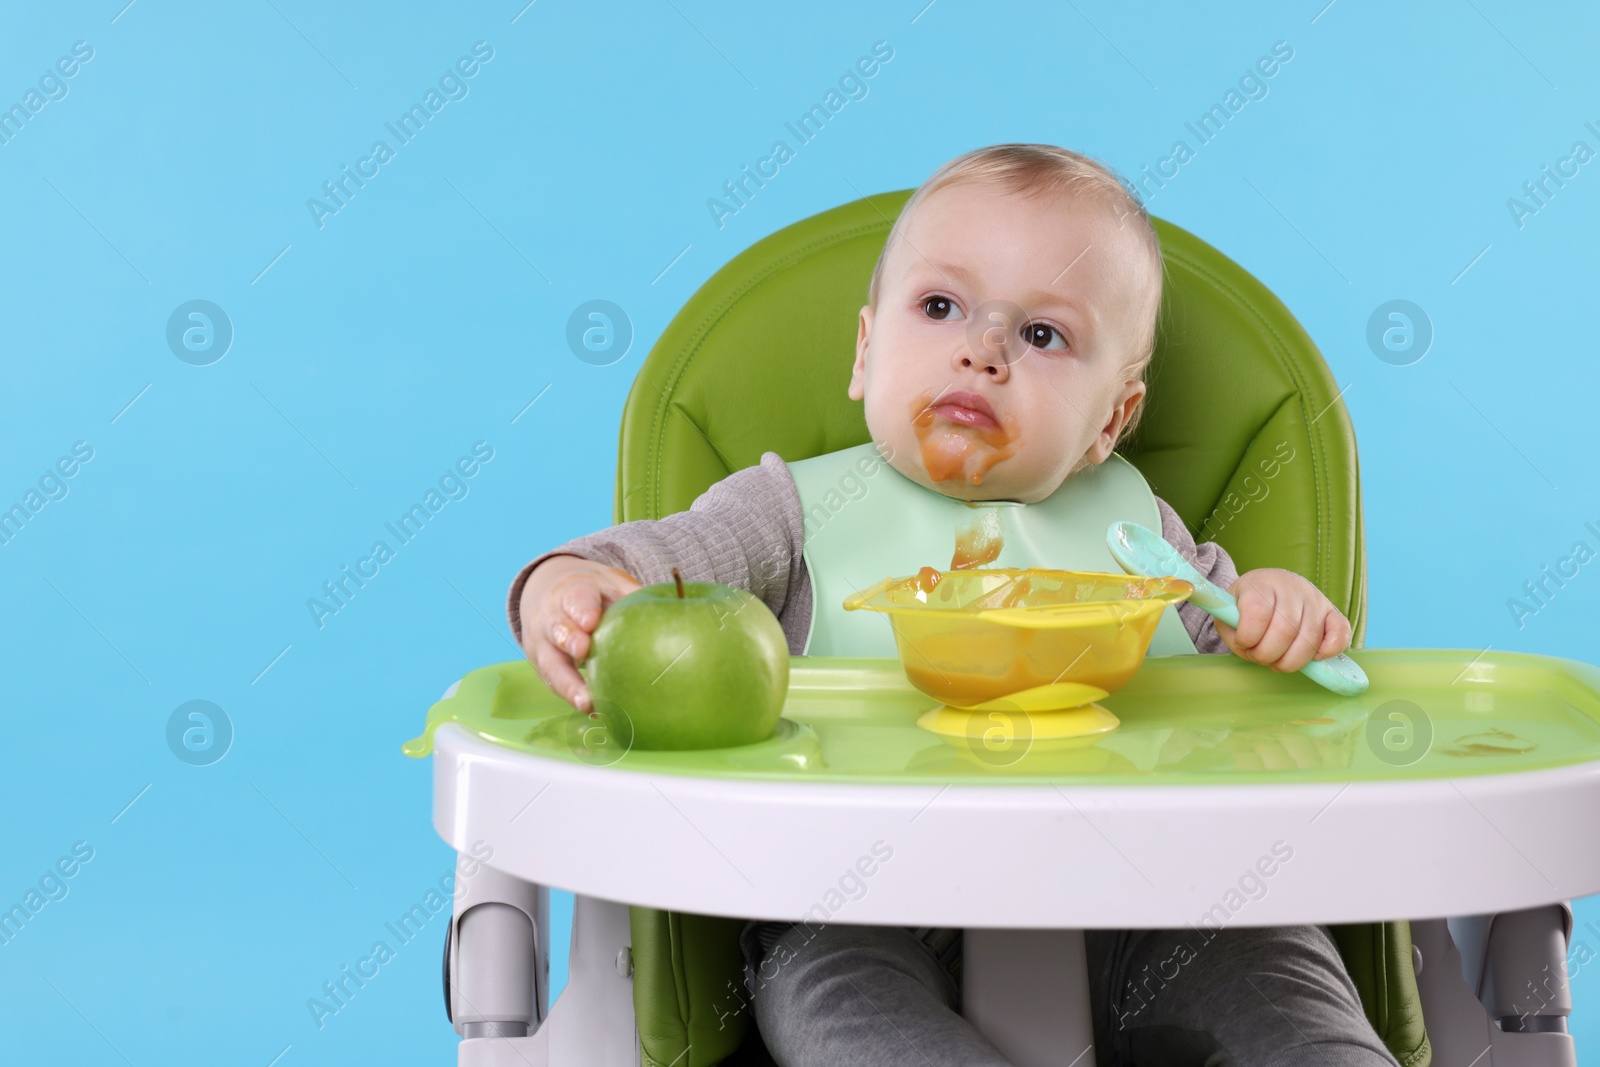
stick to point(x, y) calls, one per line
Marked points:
point(1032, 306)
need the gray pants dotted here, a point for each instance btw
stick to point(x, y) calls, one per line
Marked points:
point(827, 995)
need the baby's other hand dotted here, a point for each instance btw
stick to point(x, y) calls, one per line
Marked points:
point(562, 602)
point(1285, 622)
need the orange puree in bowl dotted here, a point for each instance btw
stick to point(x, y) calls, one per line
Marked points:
point(1088, 628)
point(963, 687)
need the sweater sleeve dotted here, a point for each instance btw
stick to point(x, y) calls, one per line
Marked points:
point(744, 531)
point(1212, 561)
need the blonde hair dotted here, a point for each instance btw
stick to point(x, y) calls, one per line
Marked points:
point(1043, 170)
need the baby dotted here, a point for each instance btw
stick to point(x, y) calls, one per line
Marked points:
point(1008, 326)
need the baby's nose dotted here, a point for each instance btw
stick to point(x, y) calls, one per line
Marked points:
point(993, 364)
point(994, 333)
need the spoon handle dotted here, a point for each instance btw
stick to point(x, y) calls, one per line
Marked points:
point(1338, 673)
point(1145, 553)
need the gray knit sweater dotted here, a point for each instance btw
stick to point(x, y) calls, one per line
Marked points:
point(747, 531)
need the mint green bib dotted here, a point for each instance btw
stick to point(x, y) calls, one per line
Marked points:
point(865, 521)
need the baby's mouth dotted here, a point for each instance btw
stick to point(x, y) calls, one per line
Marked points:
point(965, 416)
point(965, 409)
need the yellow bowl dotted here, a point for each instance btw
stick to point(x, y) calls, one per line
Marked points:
point(969, 636)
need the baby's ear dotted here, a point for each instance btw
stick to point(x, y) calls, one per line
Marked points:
point(858, 373)
point(1121, 411)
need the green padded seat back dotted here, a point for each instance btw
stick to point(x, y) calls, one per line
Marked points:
point(1243, 434)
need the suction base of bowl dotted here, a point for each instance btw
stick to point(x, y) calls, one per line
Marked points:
point(1086, 720)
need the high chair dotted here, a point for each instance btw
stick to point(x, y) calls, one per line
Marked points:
point(759, 360)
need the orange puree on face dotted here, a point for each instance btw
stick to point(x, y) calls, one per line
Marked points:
point(953, 451)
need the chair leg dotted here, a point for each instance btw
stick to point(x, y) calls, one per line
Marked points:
point(499, 956)
point(1458, 1028)
point(592, 1023)
point(1527, 969)
point(1027, 991)
point(496, 967)
point(1471, 935)
point(1461, 1028)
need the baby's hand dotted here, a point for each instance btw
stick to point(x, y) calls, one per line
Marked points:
point(562, 602)
point(1284, 621)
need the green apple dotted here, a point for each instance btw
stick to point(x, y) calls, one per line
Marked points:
point(685, 665)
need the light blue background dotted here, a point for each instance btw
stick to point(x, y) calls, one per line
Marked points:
point(425, 316)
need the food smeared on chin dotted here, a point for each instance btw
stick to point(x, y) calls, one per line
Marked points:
point(957, 441)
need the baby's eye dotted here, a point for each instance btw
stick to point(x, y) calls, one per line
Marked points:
point(1040, 335)
point(941, 309)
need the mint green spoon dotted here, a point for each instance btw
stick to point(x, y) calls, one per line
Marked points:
point(1150, 555)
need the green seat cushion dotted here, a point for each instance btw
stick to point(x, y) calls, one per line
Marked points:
point(1244, 435)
